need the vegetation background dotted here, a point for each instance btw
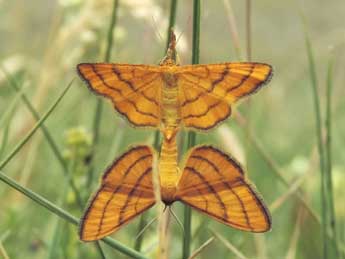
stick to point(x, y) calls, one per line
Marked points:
point(273, 133)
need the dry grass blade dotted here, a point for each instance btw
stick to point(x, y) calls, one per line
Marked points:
point(291, 191)
point(145, 227)
point(274, 168)
point(260, 246)
point(3, 252)
point(230, 246)
point(179, 223)
point(248, 29)
point(201, 248)
point(295, 235)
point(164, 235)
point(233, 28)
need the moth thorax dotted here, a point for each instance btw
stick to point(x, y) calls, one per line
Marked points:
point(170, 80)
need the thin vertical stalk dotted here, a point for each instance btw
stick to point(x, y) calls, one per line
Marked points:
point(318, 125)
point(53, 245)
point(156, 142)
point(164, 222)
point(248, 29)
point(172, 20)
point(328, 174)
point(233, 28)
point(248, 14)
point(196, 32)
point(3, 251)
point(187, 220)
point(99, 105)
point(141, 225)
point(110, 36)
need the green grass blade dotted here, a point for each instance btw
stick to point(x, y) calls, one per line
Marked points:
point(328, 174)
point(318, 126)
point(3, 251)
point(248, 29)
point(110, 36)
point(34, 129)
point(5, 134)
point(187, 219)
point(6, 121)
point(172, 20)
point(65, 215)
point(99, 106)
point(141, 225)
point(50, 141)
point(47, 135)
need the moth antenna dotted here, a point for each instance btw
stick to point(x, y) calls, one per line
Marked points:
point(156, 30)
point(146, 227)
point(183, 30)
point(179, 223)
point(179, 36)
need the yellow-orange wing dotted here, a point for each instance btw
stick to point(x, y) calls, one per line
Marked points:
point(126, 191)
point(214, 183)
point(133, 89)
point(206, 92)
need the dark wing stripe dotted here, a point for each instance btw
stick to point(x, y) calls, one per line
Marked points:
point(130, 85)
point(139, 111)
point(227, 185)
point(131, 193)
point(210, 213)
point(229, 90)
point(227, 157)
point(134, 215)
point(243, 80)
point(137, 201)
point(210, 187)
point(202, 114)
point(126, 189)
point(122, 157)
point(259, 202)
point(100, 77)
point(200, 193)
point(116, 190)
point(213, 85)
point(124, 97)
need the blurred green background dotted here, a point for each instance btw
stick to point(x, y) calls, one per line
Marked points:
point(41, 43)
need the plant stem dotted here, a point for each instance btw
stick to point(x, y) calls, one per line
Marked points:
point(233, 29)
point(321, 152)
point(156, 142)
point(328, 174)
point(248, 29)
point(187, 220)
point(172, 20)
point(111, 31)
point(99, 105)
